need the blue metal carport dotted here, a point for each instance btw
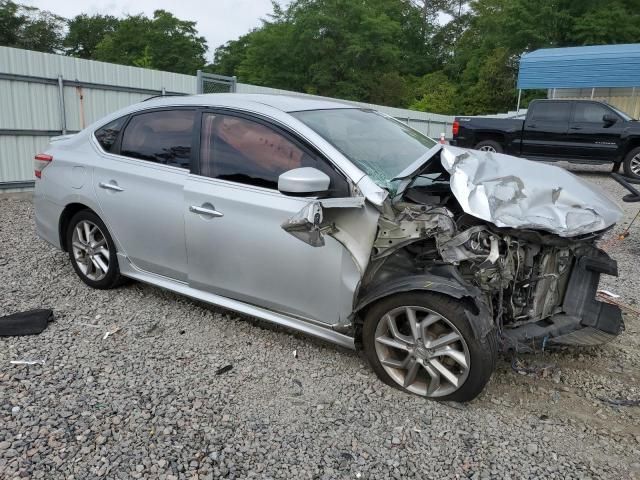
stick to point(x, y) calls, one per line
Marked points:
point(581, 67)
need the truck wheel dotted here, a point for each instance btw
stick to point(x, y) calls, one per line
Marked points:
point(489, 146)
point(422, 343)
point(632, 163)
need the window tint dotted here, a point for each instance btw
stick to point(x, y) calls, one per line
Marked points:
point(162, 137)
point(245, 151)
point(107, 135)
point(589, 112)
point(551, 111)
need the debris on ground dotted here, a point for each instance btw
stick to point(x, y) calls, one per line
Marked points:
point(108, 333)
point(541, 370)
point(224, 369)
point(28, 362)
point(31, 322)
point(621, 402)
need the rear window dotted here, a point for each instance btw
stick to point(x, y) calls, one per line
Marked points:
point(161, 137)
point(551, 111)
point(108, 134)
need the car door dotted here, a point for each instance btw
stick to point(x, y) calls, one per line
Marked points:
point(590, 137)
point(545, 132)
point(139, 185)
point(234, 215)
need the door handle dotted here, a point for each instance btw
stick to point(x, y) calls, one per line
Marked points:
point(576, 128)
point(532, 125)
point(111, 186)
point(211, 212)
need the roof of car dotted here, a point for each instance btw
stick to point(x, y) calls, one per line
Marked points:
point(286, 103)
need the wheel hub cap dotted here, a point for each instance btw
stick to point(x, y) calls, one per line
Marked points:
point(90, 250)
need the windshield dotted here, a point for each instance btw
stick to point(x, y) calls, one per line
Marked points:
point(380, 146)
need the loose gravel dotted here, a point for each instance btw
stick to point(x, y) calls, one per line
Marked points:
point(153, 399)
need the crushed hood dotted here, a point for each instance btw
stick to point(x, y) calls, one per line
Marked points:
point(518, 193)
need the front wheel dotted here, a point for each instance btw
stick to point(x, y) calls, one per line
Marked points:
point(421, 342)
point(632, 163)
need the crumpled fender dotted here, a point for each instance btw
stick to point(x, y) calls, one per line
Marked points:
point(481, 323)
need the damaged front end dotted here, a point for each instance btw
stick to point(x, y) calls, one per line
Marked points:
point(513, 239)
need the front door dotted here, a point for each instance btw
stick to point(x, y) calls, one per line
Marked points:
point(234, 215)
point(590, 137)
point(139, 183)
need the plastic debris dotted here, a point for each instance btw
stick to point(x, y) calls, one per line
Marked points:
point(543, 370)
point(621, 402)
point(224, 369)
point(108, 333)
point(295, 353)
point(607, 293)
point(28, 362)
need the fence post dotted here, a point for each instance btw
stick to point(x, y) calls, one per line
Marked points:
point(234, 84)
point(199, 86)
point(63, 112)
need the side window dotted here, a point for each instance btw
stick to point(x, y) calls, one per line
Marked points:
point(589, 112)
point(108, 134)
point(162, 137)
point(249, 152)
point(551, 111)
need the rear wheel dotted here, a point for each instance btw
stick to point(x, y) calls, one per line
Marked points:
point(489, 146)
point(92, 251)
point(422, 343)
point(632, 163)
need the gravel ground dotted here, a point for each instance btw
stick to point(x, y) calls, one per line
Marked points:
point(146, 402)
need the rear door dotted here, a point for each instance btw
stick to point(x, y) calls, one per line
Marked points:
point(546, 127)
point(139, 184)
point(234, 215)
point(590, 137)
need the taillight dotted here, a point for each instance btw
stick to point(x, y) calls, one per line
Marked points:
point(456, 128)
point(40, 161)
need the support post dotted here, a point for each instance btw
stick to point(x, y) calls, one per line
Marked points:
point(63, 113)
point(593, 92)
point(519, 98)
point(199, 85)
point(234, 84)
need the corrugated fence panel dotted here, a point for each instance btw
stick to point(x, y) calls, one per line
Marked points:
point(16, 156)
point(32, 105)
point(625, 99)
point(29, 106)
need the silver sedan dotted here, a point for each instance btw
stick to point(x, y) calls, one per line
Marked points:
point(337, 221)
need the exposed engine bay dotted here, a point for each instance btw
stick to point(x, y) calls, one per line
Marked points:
point(448, 228)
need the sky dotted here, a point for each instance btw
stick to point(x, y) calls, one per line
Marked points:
point(217, 20)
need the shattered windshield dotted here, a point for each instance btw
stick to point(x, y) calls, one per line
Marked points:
point(380, 146)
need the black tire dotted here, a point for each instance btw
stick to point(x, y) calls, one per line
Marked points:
point(489, 144)
point(628, 161)
point(112, 278)
point(481, 352)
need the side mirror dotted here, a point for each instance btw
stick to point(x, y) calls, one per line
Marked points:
point(609, 118)
point(303, 181)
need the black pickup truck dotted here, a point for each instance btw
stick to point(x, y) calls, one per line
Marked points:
point(582, 131)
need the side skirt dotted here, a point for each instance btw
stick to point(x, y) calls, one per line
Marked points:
point(324, 333)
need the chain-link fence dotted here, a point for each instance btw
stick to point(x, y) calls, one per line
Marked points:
point(212, 83)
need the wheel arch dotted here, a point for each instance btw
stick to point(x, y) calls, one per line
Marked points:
point(495, 136)
point(65, 217)
point(478, 313)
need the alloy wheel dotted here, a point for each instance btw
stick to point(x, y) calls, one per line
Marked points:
point(90, 250)
point(487, 148)
point(635, 165)
point(422, 351)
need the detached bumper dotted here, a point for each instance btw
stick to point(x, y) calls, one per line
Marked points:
point(584, 320)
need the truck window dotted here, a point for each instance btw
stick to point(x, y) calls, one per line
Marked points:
point(589, 113)
point(551, 111)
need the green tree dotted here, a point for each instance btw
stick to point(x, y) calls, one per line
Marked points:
point(435, 93)
point(163, 42)
point(27, 27)
point(86, 32)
